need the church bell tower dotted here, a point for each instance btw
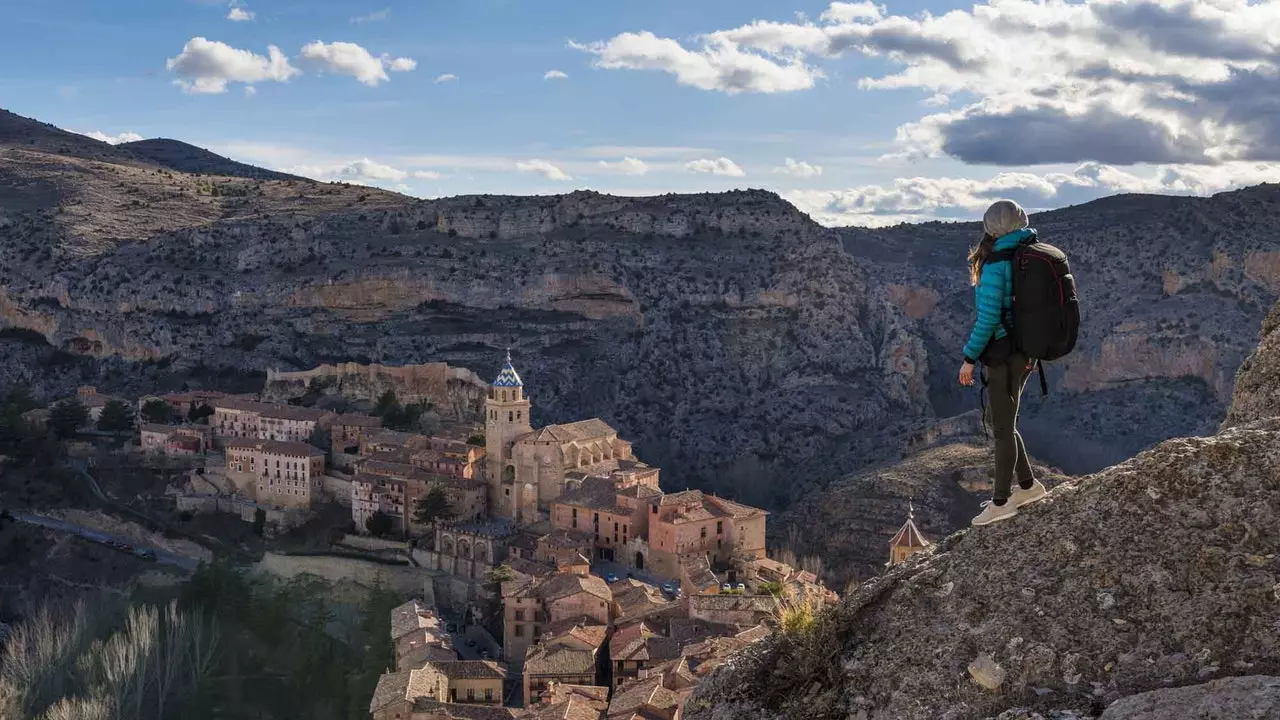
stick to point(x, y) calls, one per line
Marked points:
point(506, 418)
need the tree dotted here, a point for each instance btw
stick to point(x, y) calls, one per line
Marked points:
point(259, 521)
point(199, 414)
point(387, 403)
point(379, 524)
point(116, 416)
point(157, 411)
point(433, 506)
point(321, 438)
point(477, 440)
point(67, 417)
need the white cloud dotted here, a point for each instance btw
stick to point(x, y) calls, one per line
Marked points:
point(719, 65)
point(919, 199)
point(250, 91)
point(555, 75)
point(544, 168)
point(447, 77)
point(374, 16)
point(206, 66)
point(358, 172)
point(1121, 82)
point(100, 136)
point(800, 169)
point(627, 166)
point(427, 175)
point(239, 14)
point(719, 166)
point(351, 59)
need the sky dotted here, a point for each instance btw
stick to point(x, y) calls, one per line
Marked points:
point(858, 113)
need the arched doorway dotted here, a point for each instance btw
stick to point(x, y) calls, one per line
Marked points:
point(639, 560)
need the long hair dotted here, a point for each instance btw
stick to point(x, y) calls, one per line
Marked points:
point(978, 256)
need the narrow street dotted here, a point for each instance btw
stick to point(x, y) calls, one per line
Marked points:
point(162, 556)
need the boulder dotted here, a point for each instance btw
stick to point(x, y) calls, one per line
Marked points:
point(1254, 697)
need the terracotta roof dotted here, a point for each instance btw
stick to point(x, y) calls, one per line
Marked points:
point(595, 493)
point(633, 697)
point(392, 687)
point(530, 567)
point(565, 585)
point(575, 707)
point(562, 538)
point(276, 447)
point(413, 615)
point(293, 412)
point(680, 498)
point(582, 430)
point(239, 403)
point(157, 428)
point(737, 510)
point(358, 420)
point(583, 629)
point(641, 492)
point(543, 659)
point(524, 540)
point(468, 669)
point(459, 711)
point(759, 632)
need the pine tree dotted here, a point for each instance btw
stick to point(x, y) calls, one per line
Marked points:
point(67, 417)
point(433, 506)
point(116, 416)
point(157, 411)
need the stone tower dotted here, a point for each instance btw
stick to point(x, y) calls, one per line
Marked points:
point(908, 541)
point(506, 418)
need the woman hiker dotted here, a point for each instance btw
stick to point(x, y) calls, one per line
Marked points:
point(1004, 228)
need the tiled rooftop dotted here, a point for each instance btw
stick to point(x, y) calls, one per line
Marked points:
point(276, 447)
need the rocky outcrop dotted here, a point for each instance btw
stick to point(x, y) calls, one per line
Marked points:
point(1255, 696)
point(1161, 571)
point(1257, 392)
point(456, 393)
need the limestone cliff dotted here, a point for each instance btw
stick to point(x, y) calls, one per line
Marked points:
point(1160, 571)
point(1257, 394)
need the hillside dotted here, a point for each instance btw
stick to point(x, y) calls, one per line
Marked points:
point(727, 334)
point(183, 157)
point(1158, 572)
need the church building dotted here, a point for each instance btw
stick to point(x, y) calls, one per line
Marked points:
point(528, 468)
point(908, 541)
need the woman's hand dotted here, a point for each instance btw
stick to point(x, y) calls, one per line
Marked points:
point(966, 374)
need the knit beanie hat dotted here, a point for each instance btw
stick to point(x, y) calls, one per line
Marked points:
point(1003, 217)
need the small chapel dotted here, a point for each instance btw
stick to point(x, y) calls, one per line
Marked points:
point(528, 468)
point(908, 541)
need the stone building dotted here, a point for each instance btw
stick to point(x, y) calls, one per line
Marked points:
point(414, 693)
point(395, 489)
point(436, 454)
point(175, 440)
point(528, 469)
point(611, 513)
point(239, 418)
point(471, 549)
point(530, 604)
point(286, 474)
point(419, 635)
point(637, 646)
point(569, 702)
point(568, 653)
point(691, 522)
point(182, 403)
point(93, 401)
point(347, 430)
point(908, 540)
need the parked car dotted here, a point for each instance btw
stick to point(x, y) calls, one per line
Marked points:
point(145, 554)
point(671, 588)
point(611, 578)
point(484, 654)
point(740, 587)
point(725, 587)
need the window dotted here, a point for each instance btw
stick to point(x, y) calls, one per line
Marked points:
point(488, 694)
point(704, 533)
point(654, 508)
point(510, 416)
point(537, 631)
point(471, 694)
point(615, 527)
point(517, 414)
point(519, 631)
point(519, 616)
point(719, 527)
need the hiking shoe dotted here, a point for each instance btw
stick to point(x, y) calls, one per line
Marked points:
point(992, 513)
point(1022, 497)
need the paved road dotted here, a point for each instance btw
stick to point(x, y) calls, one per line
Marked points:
point(601, 568)
point(162, 556)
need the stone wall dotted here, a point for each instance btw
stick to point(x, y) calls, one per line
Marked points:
point(337, 489)
point(407, 580)
point(244, 508)
point(428, 382)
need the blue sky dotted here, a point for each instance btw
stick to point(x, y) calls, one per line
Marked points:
point(857, 112)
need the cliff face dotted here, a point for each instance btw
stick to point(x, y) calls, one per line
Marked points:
point(1257, 394)
point(1160, 571)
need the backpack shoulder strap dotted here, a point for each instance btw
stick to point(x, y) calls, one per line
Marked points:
point(998, 255)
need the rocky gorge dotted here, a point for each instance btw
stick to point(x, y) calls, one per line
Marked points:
point(745, 349)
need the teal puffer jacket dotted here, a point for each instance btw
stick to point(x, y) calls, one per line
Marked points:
point(993, 294)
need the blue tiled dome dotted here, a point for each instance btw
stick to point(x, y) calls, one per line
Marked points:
point(508, 376)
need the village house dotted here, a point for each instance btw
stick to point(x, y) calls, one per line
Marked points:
point(427, 709)
point(419, 635)
point(239, 418)
point(372, 493)
point(175, 440)
point(568, 653)
point(452, 682)
point(467, 497)
point(691, 522)
point(636, 646)
point(732, 609)
point(93, 401)
point(284, 474)
point(657, 697)
point(182, 403)
point(528, 469)
point(530, 604)
point(563, 547)
point(569, 702)
point(613, 514)
point(346, 431)
point(439, 455)
point(633, 599)
point(696, 576)
point(908, 540)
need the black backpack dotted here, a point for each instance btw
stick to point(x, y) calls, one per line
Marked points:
point(1044, 320)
